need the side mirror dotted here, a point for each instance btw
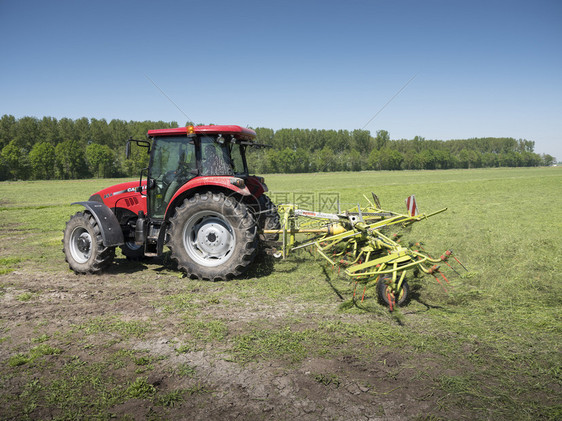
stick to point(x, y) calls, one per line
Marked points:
point(141, 143)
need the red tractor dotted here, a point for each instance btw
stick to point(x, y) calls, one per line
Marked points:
point(198, 199)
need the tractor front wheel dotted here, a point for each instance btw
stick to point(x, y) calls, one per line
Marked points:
point(212, 237)
point(83, 245)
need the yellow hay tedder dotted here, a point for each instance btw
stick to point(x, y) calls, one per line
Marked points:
point(357, 241)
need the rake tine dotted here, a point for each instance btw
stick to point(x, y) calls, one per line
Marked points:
point(454, 270)
point(458, 261)
point(439, 282)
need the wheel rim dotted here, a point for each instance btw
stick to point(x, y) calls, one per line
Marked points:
point(399, 299)
point(80, 245)
point(209, 239)
point(131, 245)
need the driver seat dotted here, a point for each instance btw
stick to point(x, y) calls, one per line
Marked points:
point(180, 177)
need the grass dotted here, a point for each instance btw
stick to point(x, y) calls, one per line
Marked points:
point(185, 370)
point(140, 389)
point(8, 264)
point(113, 324)
point(271, 344)
point(327, 379)
point(171, 398)
point(488, 349)
point(26, 296)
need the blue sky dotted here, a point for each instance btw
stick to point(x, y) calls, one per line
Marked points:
point(482, 68)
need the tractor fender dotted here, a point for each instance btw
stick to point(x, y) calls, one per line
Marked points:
point(222, 182)
point(111, 232)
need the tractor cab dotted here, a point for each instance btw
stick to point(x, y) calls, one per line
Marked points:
point(180, 155)
point(176, 159)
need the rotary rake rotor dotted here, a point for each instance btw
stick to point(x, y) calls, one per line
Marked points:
point(357, 241)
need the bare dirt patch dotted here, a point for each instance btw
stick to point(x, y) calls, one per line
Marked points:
point(120, 324)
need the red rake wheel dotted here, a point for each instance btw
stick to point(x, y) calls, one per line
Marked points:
point(391, 301)
point(386, 295)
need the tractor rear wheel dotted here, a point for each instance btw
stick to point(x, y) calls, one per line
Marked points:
point(83, 245)
point(268, 218)
point(212, 237)
point(384, 291)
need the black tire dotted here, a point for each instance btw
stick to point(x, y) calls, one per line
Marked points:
point(132, 251)
point(268, 218)
point(212, 237)
point(83, 245)
point(383, 289)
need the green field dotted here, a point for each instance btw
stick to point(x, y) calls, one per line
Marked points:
point(286, 341)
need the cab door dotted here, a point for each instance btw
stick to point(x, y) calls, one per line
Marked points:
point(173, 163)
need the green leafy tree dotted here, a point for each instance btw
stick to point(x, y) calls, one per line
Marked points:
point(381, 139)
point(26, 132)
point(16, 162)
point(272, 160)
point(470, 158)
point(303, 161)
point(325, 160)
point(101, 160)
point(67, 130)
point(4, 174)
point(257, 161)
point(410, 162)
point(42, 160)
point(49, 130)
point(362, 141)
point(547, 159)
point(137, 161)
point(7, 129)
point(489, 159)
point(444, 159)
point(524, 145)
point(530, 159)
point(82, 129)
point(385, 159)
point(287, 161)
point(264, 135)
point(119, 132)
point(355, 161)
point(426, 159)
point(99, 131)
point(69, 160)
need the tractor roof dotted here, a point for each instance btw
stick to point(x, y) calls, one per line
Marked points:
point(237, 131)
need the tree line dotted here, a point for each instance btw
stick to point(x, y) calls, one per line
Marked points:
point(297, 150)
point(47, 148)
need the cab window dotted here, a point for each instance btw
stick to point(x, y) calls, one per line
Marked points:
point(215, 157)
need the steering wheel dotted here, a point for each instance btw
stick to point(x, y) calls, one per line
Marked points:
point(168, 177)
